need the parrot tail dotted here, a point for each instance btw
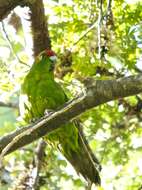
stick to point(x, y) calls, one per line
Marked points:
point(84, 161)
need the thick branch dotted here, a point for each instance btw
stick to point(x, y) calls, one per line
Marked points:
point(6, 6)
point(40, 33)
point(98, 92)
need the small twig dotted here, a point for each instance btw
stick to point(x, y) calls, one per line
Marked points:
point(38, 159)
point(85, 33)
point(109, 5)
point(108, 15)
point(99, 27)
point(9, 105)
point(10, 45)
point(108, 20)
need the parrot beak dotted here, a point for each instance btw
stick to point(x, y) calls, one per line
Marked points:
point(53, 58)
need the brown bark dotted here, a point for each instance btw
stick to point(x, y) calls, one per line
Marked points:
point(6, 6)
point(40, 32)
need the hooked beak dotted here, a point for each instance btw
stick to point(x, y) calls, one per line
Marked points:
point(53, 58)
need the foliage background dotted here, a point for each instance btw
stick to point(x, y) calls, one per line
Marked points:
point(113, 129)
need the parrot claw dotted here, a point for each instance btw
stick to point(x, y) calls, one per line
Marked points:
point(48, 112)
point(33, 120)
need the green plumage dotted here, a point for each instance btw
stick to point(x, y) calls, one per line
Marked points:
point(40, 92)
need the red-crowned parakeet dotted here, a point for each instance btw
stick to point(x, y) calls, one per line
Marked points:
point(40, 92)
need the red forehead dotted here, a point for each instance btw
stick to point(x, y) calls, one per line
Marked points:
point(50, 52)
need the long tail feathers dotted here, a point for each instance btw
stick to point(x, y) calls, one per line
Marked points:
point(84, 161)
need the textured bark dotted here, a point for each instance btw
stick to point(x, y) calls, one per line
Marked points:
point(98, 92)
point(6, 6)
point(39, 24)
point(40, 32)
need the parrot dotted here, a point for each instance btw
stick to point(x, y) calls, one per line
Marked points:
point(40, 93)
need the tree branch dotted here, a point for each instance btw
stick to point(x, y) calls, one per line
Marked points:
point(8, 105)
point(37, 165)
point(97, 92)
point(6, 6)
point(41, 39)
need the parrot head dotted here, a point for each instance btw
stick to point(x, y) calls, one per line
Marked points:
point(50, 54)
point(49, 57)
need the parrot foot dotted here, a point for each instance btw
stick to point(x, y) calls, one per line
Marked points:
point(48, 112)
point(33, 120)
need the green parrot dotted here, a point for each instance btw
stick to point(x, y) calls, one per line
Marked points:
point(40, 92)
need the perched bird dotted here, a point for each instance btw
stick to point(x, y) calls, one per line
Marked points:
point(40, 92)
